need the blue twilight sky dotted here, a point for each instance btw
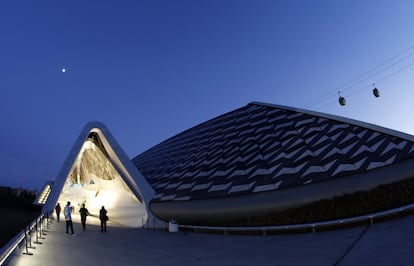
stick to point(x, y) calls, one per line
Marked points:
point(151, 69)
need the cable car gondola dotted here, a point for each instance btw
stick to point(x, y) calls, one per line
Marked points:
point(375, 91)
point(341, 100)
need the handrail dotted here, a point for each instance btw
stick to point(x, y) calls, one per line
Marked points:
point(12, 245)
point(306, 226)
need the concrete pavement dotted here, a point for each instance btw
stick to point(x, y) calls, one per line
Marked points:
point(388, 243)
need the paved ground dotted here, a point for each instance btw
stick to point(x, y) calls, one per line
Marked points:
point(389, 243)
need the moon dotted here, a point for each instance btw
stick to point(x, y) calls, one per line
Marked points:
point(63, 70)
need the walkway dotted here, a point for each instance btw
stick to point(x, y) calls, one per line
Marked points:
point(389, 243)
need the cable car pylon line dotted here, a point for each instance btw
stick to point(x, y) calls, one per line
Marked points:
point(331, 94)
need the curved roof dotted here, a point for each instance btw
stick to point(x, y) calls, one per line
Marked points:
point(262, 147)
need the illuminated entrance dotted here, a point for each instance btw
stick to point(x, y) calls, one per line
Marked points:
point(97, 173)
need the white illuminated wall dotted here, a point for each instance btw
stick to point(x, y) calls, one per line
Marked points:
point(94, 181)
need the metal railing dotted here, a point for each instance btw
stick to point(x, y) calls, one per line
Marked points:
point(369, 218)
point(39, 225)
point(36, 228)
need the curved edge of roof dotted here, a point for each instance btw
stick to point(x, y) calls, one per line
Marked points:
point(342, 119)
point(212, 210)
point(378, 128)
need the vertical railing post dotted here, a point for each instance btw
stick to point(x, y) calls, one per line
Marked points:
point(49, 221)
point(43, 221)
point(27, 246)
point(41, 233)
point(29, 236)
point(37, 234)
point(39, 227)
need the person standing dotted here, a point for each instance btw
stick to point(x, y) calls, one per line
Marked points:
point(83, 213)
point(57, 209)
point(103, 217)
point(68, 218)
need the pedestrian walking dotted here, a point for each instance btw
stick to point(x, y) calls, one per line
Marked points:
point(83, 213)
point(103, 216)
point(68, 218)
point(57, 210)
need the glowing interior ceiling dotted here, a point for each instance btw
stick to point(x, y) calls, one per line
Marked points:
point(94, 181)
point(43, 196)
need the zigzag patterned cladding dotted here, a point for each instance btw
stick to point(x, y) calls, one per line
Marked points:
point(259, 148)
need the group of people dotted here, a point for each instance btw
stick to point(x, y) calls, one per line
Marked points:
point(67, 212)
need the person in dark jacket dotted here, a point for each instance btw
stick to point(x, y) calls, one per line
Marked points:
point(83, 213)
point(103, 217)
point(57, 209)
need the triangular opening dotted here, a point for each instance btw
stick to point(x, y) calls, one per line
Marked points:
point(97, 173)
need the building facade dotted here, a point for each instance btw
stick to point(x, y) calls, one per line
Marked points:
point(256, 160)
